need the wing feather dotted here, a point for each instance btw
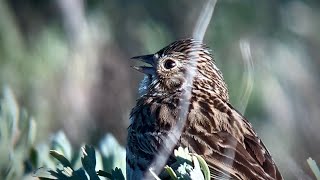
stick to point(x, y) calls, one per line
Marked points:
point(232, 155)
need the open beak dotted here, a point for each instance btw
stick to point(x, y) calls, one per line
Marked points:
point(148, 66)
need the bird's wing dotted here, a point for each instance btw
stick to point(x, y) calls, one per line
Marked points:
point(231, 155)
point(256, 147)
point(225, 156)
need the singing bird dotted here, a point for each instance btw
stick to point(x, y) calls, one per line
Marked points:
point(213, 128)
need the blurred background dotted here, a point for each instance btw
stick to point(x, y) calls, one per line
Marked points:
point(67, 61)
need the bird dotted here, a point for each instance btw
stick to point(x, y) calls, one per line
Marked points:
point(213, 128)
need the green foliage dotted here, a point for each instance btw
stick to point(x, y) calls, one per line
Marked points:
point(17, 134)
point(19, 156)
point(187, 166)
point(314, 167)
point(112, 153)
point(83, 165)
point(65, 170)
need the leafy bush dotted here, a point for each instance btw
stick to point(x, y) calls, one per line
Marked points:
point(20, 156)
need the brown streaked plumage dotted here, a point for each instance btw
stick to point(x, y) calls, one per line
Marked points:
point(213, 128)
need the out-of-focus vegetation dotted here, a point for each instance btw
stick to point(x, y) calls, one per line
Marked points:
point(17, 135)
point(67, 62)
point(20, 155)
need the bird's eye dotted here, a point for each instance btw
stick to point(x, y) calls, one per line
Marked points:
point(169, 64)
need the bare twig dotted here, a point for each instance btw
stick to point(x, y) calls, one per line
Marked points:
point(204, 20)
point(248, 80)
point(173, 137)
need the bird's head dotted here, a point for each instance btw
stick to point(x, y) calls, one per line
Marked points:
point(183, 61)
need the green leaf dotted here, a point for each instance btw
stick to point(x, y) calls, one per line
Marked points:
point(89, 161)
point(182, 154)
point(44, 173)
point(113, 154)
point(187, 166)
point(11, 110)
point(41, 156)
point(59, 142)
point(314, 167)
point(117, 174)
point(63, 160)
point(104, 174)
point(32, 131)
point(171, 173)
point(80, 174)
point(63, 171)
point(27, 128)
point(204, 167)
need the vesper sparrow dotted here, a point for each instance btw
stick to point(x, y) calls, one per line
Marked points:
point(213, 128)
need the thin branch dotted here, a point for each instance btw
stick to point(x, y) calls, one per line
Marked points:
point(173, 137)
point(248, 80)
point(204, 20)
